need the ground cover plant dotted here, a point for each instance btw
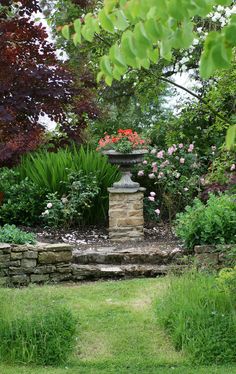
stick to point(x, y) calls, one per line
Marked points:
point(11, 234)
point(118, 329)
point(199, 315)
point(213, 223)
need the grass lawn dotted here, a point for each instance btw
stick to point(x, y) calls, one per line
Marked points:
point(117, 330)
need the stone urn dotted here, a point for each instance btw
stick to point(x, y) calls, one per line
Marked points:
point(125, 162)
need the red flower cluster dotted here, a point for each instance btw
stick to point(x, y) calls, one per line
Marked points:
point(128, 136)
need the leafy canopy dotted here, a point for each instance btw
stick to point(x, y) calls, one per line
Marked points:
point(149, 29)
point(146, 30)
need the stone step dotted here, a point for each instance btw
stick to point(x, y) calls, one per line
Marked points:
point(101, 271)
point(155, 255)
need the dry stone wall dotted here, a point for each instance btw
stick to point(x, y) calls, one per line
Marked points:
point(40, 263)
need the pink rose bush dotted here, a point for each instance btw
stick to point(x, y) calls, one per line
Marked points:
point(172, 178)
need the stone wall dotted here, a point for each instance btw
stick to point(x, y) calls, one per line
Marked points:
point(125, 215)
point(211, 256)
point(40, 263)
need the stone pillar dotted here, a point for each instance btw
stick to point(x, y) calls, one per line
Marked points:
point(126, 214)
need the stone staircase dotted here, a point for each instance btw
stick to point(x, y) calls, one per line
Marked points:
point(127, 261)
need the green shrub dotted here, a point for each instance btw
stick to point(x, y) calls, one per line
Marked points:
point(200, 318)
point(44, 338)
point(11, 234)
point(213, 223)
point(48, 170)
point(22, 199)
point(73, 207)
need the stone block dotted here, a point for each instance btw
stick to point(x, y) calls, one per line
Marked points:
point(4, 258)
point(16, 256)
point(63, 269)
point(204, 248)
point(57, 247)
point(207, 260)
point(19, 248)
point(131, 221)
point(15, 263)
point(20, 279)
point(60, 277)
point(30, 254)
point(45, 269)
point(136, 213)
point(54, 257)
point(28, 263)
point(39, 278)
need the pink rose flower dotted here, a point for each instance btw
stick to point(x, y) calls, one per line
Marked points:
point(154, 169)
point(171, 150)
point(181, 145)
point(141, 173)
point(160, 175)
point(145, 162)
point(191, 148)
point(182, 160)
point(160, 154)
point(151, 198)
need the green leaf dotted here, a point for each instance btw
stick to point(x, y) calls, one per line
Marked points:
point(106, 21)
point(128, 49)
point(76, 39)
point(99, 76)
point(142, 41)
point(165, 49)
point(77, 26)
point(154, 30)
point(105, 66)
point(154, 55)
point(66, 32)
point(116, 56)
point(121, 21)
point(231, 137)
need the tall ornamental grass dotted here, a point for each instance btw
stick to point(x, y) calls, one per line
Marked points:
point(45, 334)
point(200, 317)
point(49, 170)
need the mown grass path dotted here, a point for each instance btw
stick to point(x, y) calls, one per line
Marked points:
point(117, 329)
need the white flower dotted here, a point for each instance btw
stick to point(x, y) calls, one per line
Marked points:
point(64, 200)
point(233, 167)
point(145, 162)
point(151, 176)
point(195, 41)
point(49, 205)
point(151, 198)
point(185, 189)
point(141, 173)
point(153, 194)
point(153, 151)
point(45, 213)
point(157, 211)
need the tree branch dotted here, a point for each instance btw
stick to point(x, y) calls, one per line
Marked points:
point(213, 110)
